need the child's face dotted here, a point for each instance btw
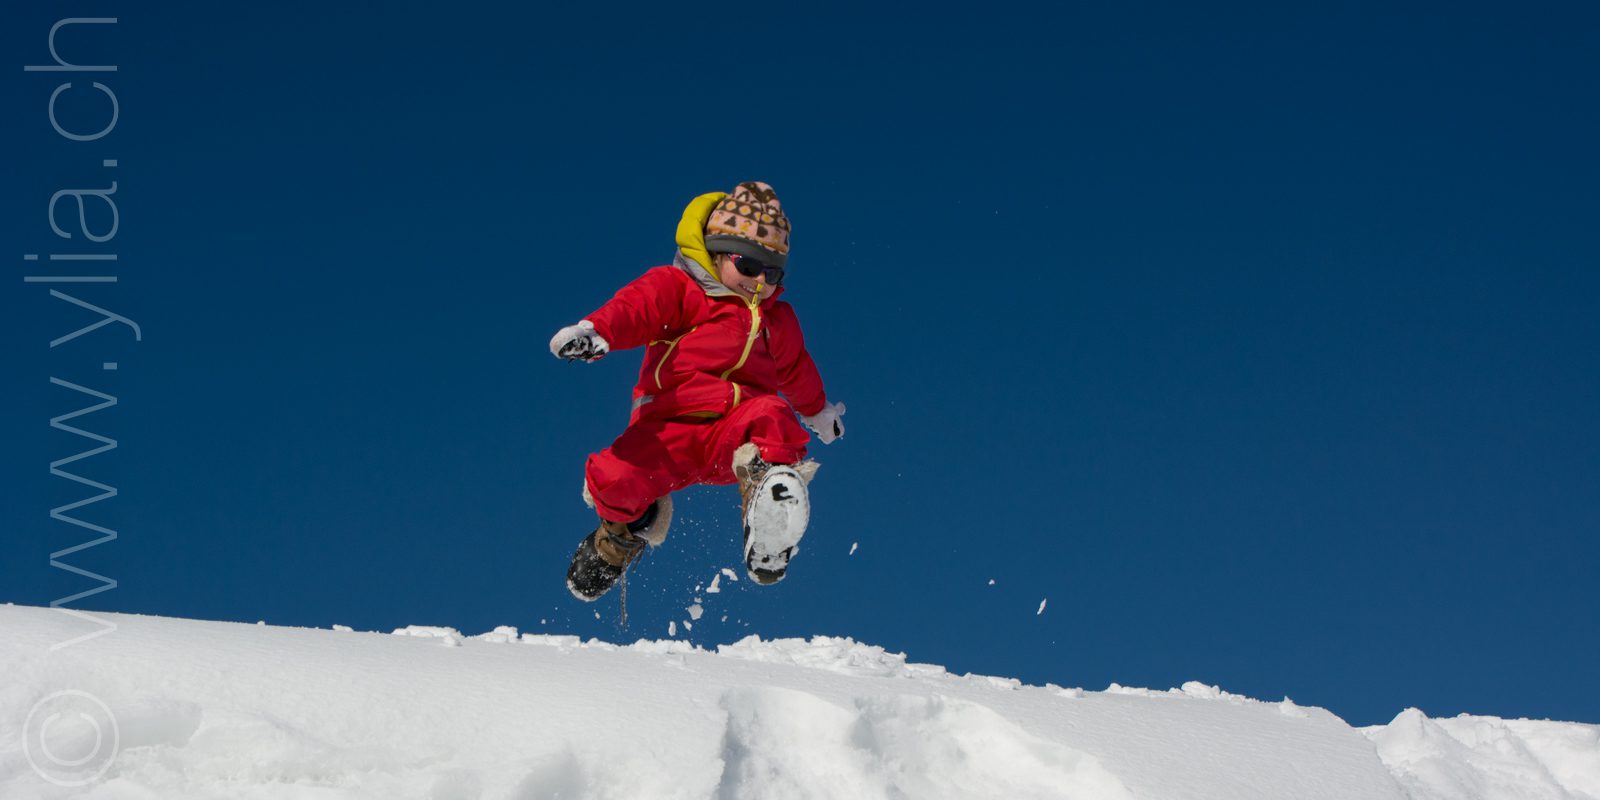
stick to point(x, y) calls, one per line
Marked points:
point(735, 280)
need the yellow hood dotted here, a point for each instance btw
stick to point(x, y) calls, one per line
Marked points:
point(692, 229)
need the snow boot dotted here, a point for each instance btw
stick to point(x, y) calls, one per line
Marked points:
point(606, 553)
point(776, 509)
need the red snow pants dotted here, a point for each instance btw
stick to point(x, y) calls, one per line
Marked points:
point(655, 457)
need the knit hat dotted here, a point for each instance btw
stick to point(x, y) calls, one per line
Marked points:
point(750, 222)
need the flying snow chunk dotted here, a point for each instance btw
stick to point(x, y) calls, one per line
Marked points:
point(853, 546)
point(991, 581)
point(729, 573)
point(1041, 606)
point(695, 611)
point(672, 628)
point(714, 588)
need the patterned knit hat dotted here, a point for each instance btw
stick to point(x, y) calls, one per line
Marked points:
point(751, 222)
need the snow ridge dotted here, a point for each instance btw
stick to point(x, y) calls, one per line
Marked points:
point(182, 709)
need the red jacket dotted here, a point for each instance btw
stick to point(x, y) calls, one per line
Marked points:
point(708, 348)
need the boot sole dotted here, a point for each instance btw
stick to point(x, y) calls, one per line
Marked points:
point(587, 559)
point(774, 523)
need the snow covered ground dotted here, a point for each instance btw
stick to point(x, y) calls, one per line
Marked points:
point(172, 709)
point(1486, 757)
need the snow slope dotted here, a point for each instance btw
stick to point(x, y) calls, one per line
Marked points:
point(171, 709)
point(1486, 758)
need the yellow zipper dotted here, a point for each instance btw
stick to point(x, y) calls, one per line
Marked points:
point(671, 343)
point(755, 328)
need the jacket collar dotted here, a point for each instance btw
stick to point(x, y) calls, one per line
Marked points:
point(702, 276)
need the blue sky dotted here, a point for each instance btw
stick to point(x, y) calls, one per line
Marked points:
point(1262, 342)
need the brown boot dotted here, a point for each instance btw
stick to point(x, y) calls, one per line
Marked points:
point(606, 553)
point(616, 544)
point(750, 469)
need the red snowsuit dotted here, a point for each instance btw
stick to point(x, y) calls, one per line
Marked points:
point(713, 367)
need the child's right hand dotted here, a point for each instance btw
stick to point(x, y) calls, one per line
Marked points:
point(579, 341)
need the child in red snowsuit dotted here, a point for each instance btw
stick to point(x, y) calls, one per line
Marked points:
point(720, 348)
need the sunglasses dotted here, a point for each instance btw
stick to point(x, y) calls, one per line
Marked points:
point(751, 268)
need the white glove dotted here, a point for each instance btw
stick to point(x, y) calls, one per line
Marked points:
point(826, 423)
point(579, 342)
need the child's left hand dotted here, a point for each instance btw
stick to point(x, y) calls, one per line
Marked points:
point(826, 423)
